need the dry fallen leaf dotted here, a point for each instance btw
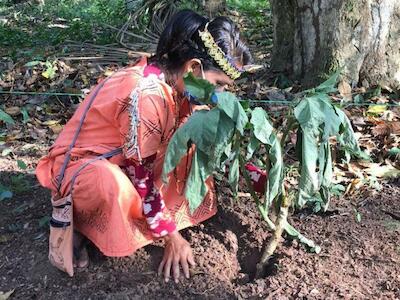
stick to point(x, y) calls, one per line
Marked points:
point(51, 122)
point(387, 128)
point(355, 184)
point(377, 109)
point(6, 295)
point(345, 90)
point(56, 128)
point(383, 171)
point(13, 110)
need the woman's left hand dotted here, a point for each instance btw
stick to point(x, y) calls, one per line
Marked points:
point(177, 253)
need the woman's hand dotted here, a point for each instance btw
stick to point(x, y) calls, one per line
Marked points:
point(177, 253)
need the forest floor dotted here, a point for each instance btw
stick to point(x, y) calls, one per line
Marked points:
point(360, 259)
point(359, 234)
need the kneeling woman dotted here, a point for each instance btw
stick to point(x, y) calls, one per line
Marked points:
point(120, 203)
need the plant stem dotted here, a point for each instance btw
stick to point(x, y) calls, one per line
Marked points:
point(276, 236)
point(290, 125)
point(267, 168)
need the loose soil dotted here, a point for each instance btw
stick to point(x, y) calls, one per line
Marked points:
point(359, 259)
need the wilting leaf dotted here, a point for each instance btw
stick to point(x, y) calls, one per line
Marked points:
point(253, 145)
point(179, 144)
point(211, 132)
point(205, 132)
point(262, 128)
point(263, 132)
point(320, 120)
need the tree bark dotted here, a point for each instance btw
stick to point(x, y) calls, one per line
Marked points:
point(313, 38)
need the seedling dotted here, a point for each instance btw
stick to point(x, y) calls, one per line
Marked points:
point(218, 136)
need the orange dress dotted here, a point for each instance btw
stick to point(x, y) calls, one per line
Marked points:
point(140, 115)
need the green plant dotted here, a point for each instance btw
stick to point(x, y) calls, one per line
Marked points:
point(32, 26)
point(18, 183)
point(219, 136)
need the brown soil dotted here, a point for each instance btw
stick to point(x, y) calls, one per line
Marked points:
point(359, 260)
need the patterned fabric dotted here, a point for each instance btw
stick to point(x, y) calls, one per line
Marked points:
point(156, 213)
point(258, 177)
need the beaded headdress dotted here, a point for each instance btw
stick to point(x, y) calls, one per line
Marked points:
point(224, 62)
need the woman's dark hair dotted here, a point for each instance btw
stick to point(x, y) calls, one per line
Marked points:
point(180, 41)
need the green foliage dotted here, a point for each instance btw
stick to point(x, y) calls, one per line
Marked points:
point(357, 215)
point(217, 136)
point(5, 117)
point(17, 183)
point(263, 132)
point(258, 15)
point(211, 132)
point(251, 7)
point(199, 88)
point(33, 26)
point(5, 193)
point(319, 120)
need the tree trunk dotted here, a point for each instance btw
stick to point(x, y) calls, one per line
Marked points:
point(313, 38)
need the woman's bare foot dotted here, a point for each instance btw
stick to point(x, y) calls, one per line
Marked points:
point(81, 257)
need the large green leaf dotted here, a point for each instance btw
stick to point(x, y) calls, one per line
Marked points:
point(5, 117)
point(180, 142)
point(253, 145)
point(222, 146)
point(196, 189)
point(199, 88)
point(320, 120)
point(230, 105)
point(262, 127)
point(329, 86)
point(325, 173)
point(211, 131)
point(204, 132)
point(263, 132)
point(308, 183)
point(276, 171)
point(347, 138)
